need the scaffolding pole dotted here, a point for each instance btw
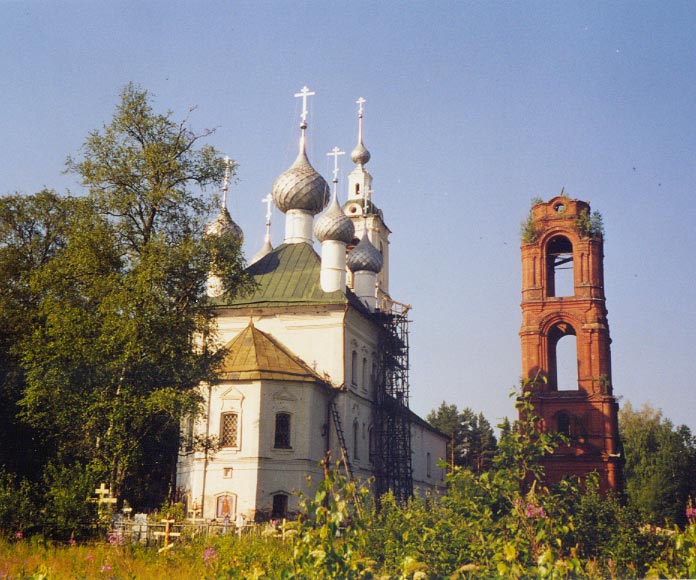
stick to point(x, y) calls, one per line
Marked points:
point(393, 440)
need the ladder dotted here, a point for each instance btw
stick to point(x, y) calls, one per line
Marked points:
point(341, 438)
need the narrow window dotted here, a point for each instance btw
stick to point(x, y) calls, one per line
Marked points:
point(229, 430)
point(354, 368)
point(357, 189)
point(428, 465)
point(563, 358)
point(280, 506)
point(364, 374)
point(188, 434)
point(559, 267)
point(563, 424)
point(371, 445)
point(355, 439)
point(282, 431)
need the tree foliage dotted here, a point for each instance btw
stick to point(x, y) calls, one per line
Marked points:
point(474, 440)
point(105, 333)
point(660, 468)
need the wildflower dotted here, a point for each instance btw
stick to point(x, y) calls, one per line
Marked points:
point(209, 555)
point(535, 511)
point(106, 568)
point(72, 541)
point(115, 538)
point(89, 556)
point(19, 535)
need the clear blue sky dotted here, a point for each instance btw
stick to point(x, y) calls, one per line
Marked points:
point(472, 110)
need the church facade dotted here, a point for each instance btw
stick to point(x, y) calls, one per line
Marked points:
point(316, 360)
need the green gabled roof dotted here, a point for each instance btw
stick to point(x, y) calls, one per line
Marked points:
point(289, 275)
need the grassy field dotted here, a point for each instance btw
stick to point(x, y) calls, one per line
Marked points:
point(222, 557)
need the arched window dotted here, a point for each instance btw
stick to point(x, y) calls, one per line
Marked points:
point(354, 369)
point(356, 434)
point(280, 506)
point(560, 279)
point(282, 431)
point(563, 358)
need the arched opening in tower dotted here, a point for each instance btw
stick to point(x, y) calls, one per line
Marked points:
point(559, 267)
point(563, 358)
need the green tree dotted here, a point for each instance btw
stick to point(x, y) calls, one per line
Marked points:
point(660, 470)
point(124, 336)
point(474, 441)
point(33, 229)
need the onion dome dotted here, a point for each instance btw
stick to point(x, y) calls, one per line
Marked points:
point(266, 249)
point(334, 225)
point(224, 224)
point(301, 187)
point(360, 155)
point(365, 256)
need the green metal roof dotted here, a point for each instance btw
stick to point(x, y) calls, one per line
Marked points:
point(289, 275)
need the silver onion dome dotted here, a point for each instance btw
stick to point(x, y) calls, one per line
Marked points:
point(365, 256)
point(301, 187)
point(360, 155)
point(334, 225)
point(224, 224)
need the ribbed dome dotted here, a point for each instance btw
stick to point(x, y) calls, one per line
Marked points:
point(334, 225)
point(224, 224)
point(360, 155)
point(365, 256)
point(301, 187)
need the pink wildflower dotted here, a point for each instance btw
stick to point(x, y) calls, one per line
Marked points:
point(534, 511)
point(89, 556)
point(19, 535)
point(209, 554)
point(106, 568)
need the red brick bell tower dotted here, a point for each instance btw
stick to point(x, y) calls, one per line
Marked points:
point(562, 242)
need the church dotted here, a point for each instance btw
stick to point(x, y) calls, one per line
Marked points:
point(317, 359)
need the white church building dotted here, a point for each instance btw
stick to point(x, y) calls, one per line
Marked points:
point(317, 360)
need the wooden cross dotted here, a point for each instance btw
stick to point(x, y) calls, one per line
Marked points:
point(104, 494)
point(335, 152)
point(167, 533)
point(102, 491)
point(304, 93)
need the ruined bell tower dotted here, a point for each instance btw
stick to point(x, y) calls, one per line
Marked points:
point(563, 303)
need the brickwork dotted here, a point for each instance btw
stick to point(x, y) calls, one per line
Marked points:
point(559, 235)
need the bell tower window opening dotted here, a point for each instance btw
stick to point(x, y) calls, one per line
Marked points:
point(560, 280)
point(563, 358)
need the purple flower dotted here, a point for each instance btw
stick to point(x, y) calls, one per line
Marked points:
point(19, 535)
point(209, 554)
point(535, 511)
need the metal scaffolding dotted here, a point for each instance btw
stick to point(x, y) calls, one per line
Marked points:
point(392, 453)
